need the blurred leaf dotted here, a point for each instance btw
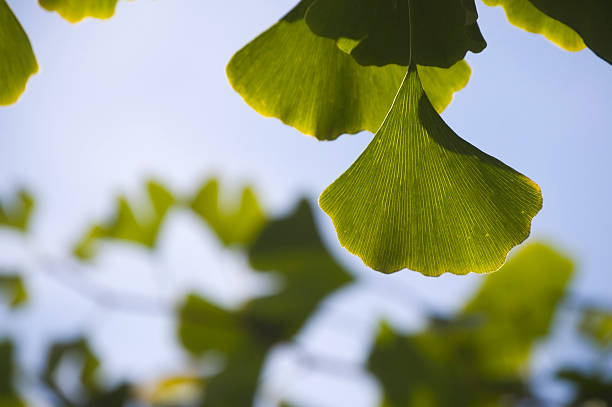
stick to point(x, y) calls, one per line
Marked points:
point(9, 396)
point(233, 224)
point(477, 363)
point(596, 324)
point(17, 60)
point(279, 74)
point(592, 19)
point(592, 389)
point(76, 10)
point(442, 31)
point(422, 198)
point(17, 214)
point(291, 246)
point(126, 225)
point(85, 364)
point(523, 14)
point(13, 289)
point(178, 390)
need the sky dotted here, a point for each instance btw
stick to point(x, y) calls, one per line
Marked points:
point(145, 95)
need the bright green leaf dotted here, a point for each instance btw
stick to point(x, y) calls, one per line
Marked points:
point(523, 14)
point(479, 356)
point(592, 19)
point(422, 198)
point(125, 225)
point(76, 10)
point(233, 224)
point(17, 214)
point(425, 32)
point(17, 60)
point(280, 74)
point(13, 289)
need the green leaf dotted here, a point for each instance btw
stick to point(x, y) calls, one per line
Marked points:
point(13, 289)
point(125, 225)
point(17, 214)
point(424, 32)
point(76, 10)
point(9, 396)
point(523, 14)
point(17, 60)
point(422, 198)
point(280, 74)
point(479, 356)
point(596, 324)
point(233, 224)
point(590, 18)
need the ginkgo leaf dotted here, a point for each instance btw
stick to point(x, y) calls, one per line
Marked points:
point(233, 224)
point(592, 19)
point(76, 10)
point(307, 82)
point(523, 14)
point(12, 288)
point(425, 32)
point(17, 60)
point(125, 225)
point(422, 198)
point(17, 214)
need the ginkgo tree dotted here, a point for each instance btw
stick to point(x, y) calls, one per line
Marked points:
point(419, 197)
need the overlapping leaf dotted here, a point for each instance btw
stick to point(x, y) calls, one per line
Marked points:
point(291, 247)
point(307, 82)
point(523, 14)
point(125, 225)
point(479, 356)
point(17, 60)
point(592, 19)
point(422, 198)
point(424, 32)
point(17, 214)
point(76, 10)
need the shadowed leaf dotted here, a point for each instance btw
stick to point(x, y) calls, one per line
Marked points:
point(596, 324)
point(9, 396)
point(523, 14)
point(125, 225)
point(307, 82)
point(422, 198)
point(233, 224)
point(17, 214)
point(442, 30)
point(12, 288)
point(76, 10)
point(17, 60)
point(592, 19)
point(479, 356)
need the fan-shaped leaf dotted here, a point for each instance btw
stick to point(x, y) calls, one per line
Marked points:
point(523, 14)
point(307, 82)
point(76, 10)
point(425, 32)
point(422, 198)
point(17, 60)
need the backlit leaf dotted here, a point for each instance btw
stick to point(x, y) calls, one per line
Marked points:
point(76, 10)
point(425, 32)
point(422, 198)
point(592, 19)
point(17, 60)
point(233, 224)
point(523, 14)
point(307, 82)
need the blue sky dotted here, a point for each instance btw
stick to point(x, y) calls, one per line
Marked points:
point(145, 95)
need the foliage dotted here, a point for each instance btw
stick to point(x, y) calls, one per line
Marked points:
point(16, 214)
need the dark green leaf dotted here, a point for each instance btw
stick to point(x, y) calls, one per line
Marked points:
point(422, 198)
point(596, 324)
point(9, 396)
point(17, 60)
point(424, 32)
point(13, 289)
point(76, 10)
point(592, 19)
point(233, 224)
